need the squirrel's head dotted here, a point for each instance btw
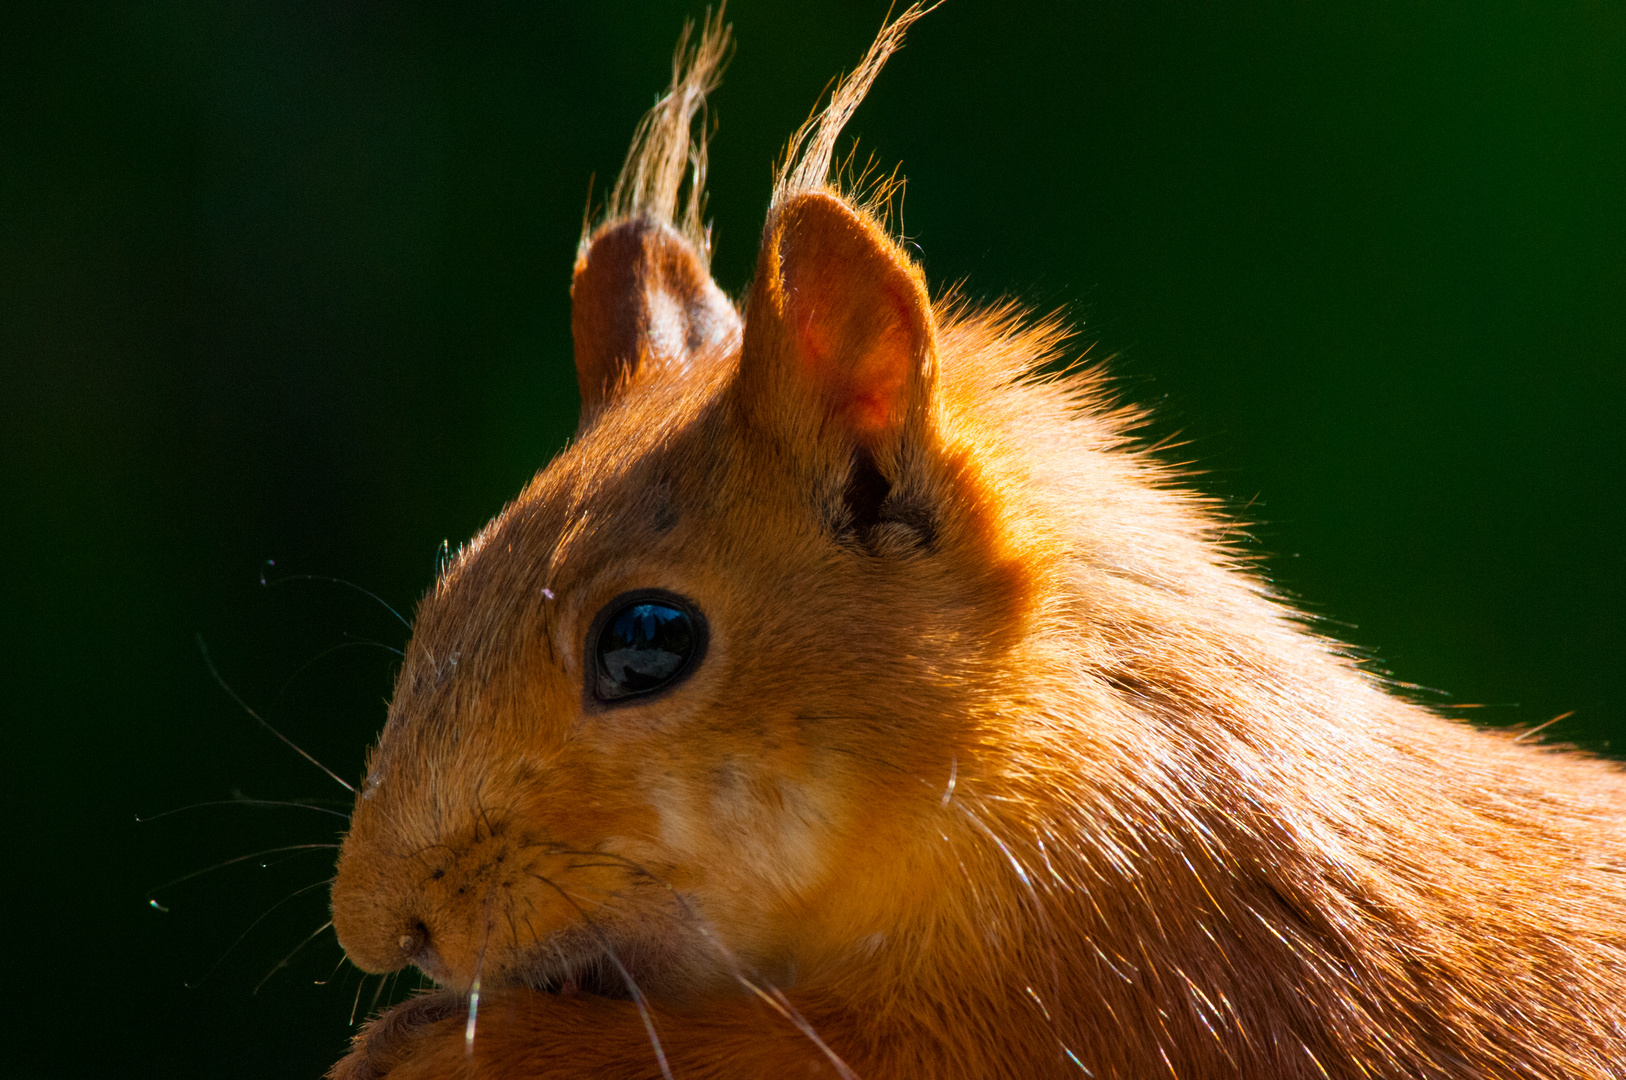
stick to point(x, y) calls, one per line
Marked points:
point(689, 707)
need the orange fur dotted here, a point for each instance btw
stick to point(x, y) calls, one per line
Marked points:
point(999, 762)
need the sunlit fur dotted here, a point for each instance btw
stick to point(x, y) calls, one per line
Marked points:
point(1029, 776)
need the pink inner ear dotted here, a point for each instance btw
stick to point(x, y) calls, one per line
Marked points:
point(895, 355)
point(812, 340)
point(857, 351)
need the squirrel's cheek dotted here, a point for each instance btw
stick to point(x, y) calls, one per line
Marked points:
point(745, 828)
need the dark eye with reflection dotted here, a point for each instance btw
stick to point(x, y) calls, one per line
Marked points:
point(644, 642)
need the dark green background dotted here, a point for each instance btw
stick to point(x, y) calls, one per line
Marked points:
point(290, 281)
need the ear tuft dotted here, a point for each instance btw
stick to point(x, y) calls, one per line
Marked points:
point(839, 326)
point(643, 303)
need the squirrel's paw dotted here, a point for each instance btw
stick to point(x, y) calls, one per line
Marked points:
point(398, 1044)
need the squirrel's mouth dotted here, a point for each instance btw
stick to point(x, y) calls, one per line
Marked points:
point(652, 958)
point(566, 970)
point(603, 964)
point(599, 975)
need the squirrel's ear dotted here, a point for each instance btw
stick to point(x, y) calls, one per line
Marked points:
point(839, 336)
point(643, 302)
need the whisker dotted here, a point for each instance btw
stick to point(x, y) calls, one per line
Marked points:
point(779, 1003)
point(335, 971)
point(378, 992)
point(250, 929)
point(1040, 911)
point(632, 985)
point(329, 651)
point(356, 1004)
point(508, 913)
point(773, 996)
point(357, 639)
point(231, 862)
point(1539, 728)
point(331, 581)
point(244, 802)
point(284, 961)
point(268, 864)
point(415, 852)
point(204, 649)
point(474, 989)
point(945, 800)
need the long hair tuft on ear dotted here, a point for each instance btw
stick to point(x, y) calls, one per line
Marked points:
point(666, 149)
point(806, 165)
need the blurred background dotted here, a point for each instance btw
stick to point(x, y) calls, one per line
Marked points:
point(289, 282)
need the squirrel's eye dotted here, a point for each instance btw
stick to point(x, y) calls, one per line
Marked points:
point(643, 642)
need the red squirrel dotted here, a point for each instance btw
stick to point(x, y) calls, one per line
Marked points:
point(852, 698)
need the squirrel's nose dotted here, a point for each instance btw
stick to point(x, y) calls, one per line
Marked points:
point(378, 927)
point(418, 949)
